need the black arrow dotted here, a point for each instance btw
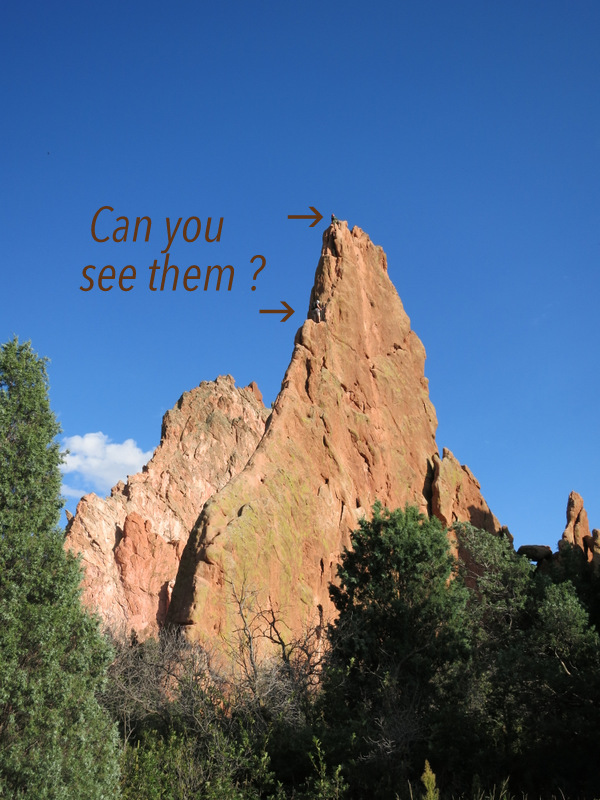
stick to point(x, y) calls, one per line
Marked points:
point(314, 216)
point(287, 309)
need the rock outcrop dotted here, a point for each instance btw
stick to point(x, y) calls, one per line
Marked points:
point(131, 542)
point(456, 495)
point(353, 423)
point(577, 533)
point(535, 552)
point(578, 527)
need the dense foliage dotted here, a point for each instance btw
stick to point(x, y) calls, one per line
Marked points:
point(55, 739)
point(469, 677)
point(29, 453)
point(531, 689)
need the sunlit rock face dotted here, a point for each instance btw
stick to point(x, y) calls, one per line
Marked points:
point(577, 532)
point(131, 542)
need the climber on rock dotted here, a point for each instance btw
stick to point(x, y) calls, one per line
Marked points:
point(317, 311)
point(334, 220)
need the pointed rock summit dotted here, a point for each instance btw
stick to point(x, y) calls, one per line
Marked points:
point(353, 423)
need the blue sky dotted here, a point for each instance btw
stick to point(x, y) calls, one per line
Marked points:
point(464, 137)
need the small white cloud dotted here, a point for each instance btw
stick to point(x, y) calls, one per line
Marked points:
point(100, 463)
point(70, 492)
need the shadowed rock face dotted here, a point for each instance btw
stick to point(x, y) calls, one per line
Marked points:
point(131, 542)
point(535, 552)
point(352, 424)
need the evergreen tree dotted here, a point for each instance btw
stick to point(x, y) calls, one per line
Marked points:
point(55, 740)
point(29, 453)
point(400, 627)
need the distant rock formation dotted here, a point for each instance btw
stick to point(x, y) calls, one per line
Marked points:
point(578, 527)
point(577, 533)
point(353, 423)
point(131, 542)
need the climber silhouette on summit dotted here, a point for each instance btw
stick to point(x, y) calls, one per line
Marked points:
point(334, 220)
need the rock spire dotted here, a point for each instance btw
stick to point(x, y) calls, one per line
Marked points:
point(577, 533)
point(353, 423)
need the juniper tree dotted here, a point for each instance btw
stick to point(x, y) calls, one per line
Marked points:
point(55, 740)
point(400, 625)
point(29, 453)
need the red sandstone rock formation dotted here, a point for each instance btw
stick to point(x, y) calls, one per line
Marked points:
point(457, 495)
point(353, 424)
point(577, 521)
point(131, 542)
point(577, 532)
